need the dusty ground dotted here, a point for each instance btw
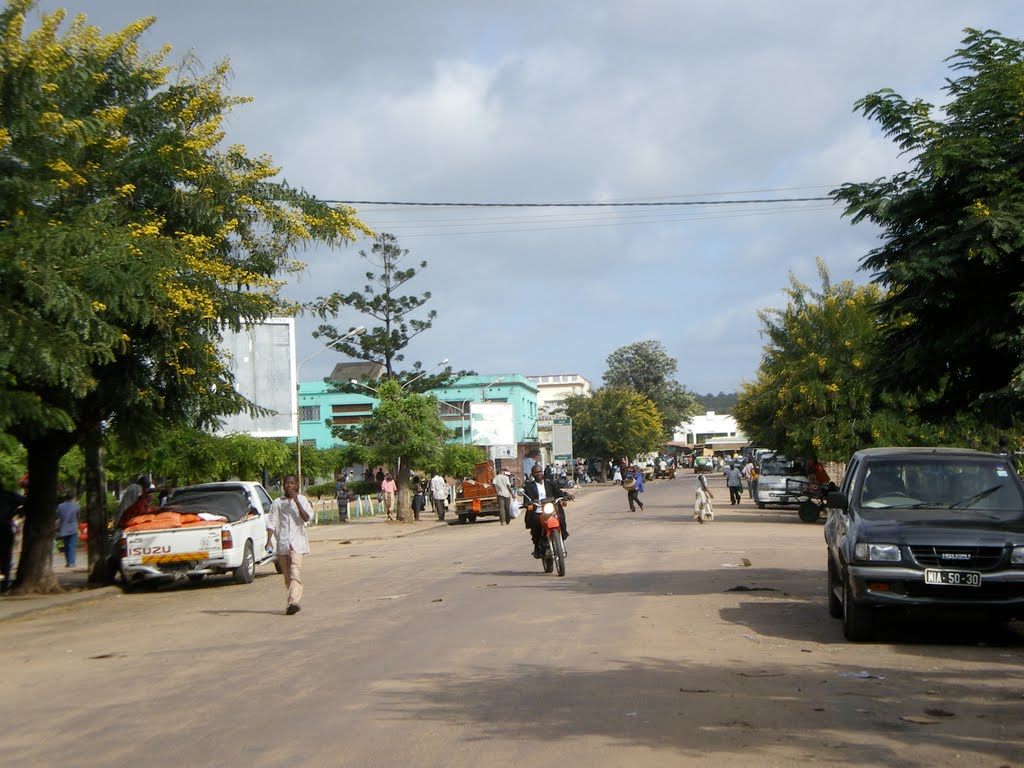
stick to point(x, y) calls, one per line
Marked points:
point(668, 643)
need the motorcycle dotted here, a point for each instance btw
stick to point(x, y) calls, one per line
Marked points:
point(552, 555)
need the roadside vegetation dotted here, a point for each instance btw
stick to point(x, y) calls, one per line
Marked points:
point(931, 350)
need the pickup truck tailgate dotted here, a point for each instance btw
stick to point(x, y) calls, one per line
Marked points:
point(191, 544)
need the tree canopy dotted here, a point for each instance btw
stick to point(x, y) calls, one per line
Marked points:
point(381, 301)
point(614, 423)
point(811, 394)
point(129, 237)
point(648, 369)
point(403, 432)
point(952, 317)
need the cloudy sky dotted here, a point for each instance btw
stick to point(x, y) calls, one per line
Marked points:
point(573, 101)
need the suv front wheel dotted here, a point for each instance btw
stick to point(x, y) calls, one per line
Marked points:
point(835, 604)
point(857, 618)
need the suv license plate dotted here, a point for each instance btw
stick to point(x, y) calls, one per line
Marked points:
point(952, 578)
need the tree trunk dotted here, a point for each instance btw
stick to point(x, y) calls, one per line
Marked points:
point(35, 567)
point(403, 511)
point(96, 507)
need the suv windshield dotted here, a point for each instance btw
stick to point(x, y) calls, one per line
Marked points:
point(780, 467)
point(942, 483)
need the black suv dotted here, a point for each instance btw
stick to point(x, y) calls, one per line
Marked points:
point(925, 528)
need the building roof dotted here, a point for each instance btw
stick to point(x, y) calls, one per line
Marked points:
point(359, 369)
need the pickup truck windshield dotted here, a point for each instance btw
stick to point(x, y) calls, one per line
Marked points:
point(946, 485)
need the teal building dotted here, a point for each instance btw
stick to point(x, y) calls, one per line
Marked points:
point(320, 407)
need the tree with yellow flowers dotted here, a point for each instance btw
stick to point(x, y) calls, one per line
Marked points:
point(129, 237)
point(813, 393)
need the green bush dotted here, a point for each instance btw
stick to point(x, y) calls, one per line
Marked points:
point(356, 487)
point(364, 487)
point(321, 490)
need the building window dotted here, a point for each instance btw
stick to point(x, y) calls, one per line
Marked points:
point(309, 413)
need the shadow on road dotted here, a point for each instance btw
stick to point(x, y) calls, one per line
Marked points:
point(699, 710)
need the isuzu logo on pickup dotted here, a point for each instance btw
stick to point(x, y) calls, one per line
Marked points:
point(955, 555)
point(139, 551)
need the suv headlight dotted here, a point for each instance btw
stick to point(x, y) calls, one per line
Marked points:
point(1017, 556)
point(886, 553)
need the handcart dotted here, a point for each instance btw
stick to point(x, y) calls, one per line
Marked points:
point(812, 497)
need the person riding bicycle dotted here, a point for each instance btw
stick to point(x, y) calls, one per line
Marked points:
point(536, 491)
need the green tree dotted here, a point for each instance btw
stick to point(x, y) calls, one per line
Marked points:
point(648, 369)
point(128, 238)
point(403, 432)
point(380, 300)
point(459, 460)
point(813, 393)
point(614, 422)
point(952, 252)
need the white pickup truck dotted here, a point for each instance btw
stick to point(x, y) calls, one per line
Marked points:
point(235, 544)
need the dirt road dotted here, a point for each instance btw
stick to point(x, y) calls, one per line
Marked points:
point(667, 644)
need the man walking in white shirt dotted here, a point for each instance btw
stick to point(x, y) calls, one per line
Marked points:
point(287, 521)
point(503, 488)
point(438, 494)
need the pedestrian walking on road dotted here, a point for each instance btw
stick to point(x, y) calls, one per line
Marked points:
point(634, 489)
point(344, 497)
point(734, 480)
point(439, 495)
point(419, 499)
point(503, 488)
point(287, 524)
point(617, 475)
point(67, 516)
point(10, 505)
point(388, 489)
point(703, 509)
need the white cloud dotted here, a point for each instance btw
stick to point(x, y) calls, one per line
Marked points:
point(458, 100)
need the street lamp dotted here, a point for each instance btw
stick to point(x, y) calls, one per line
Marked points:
point(298, 416)
point(358, 383)
point(483, 389)
point(424, 373)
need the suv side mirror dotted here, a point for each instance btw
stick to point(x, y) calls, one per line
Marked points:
point(838, 500)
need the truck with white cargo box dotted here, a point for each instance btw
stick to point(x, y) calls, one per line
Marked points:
point(202, 530)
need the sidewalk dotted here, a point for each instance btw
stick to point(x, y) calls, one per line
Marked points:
point(74, 581)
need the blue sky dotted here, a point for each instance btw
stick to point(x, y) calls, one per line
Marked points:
point(607, 101)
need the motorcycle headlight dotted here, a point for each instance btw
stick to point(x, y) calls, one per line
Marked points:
point(548, 508)
point(886, 553)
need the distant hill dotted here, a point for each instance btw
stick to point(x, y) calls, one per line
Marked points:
point(720, 403)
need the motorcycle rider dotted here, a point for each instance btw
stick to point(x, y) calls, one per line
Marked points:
point(536, 491)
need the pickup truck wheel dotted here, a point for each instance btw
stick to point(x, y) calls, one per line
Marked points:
point(246, 572)
point(463, 518)
point(835, 604)
point(127, 584)
point(856, 618)
point(195, 578)
point(760, 505)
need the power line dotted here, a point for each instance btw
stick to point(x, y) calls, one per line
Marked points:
point(629, 204)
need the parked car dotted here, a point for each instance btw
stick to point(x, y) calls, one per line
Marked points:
point(771, 485)
point(925, 528)
point(228, 535)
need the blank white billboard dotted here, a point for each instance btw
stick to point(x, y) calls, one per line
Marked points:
point(262, 359)
point(491, 423)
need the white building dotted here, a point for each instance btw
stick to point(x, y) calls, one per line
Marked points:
point(552, 389)
point(716, 432)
